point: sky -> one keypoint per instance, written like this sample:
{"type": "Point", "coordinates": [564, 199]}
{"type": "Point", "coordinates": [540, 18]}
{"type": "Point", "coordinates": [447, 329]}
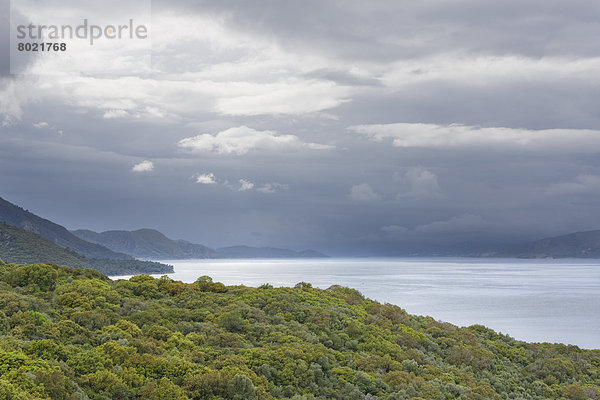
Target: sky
{"type": "Point", "coordinates": [353, 128]}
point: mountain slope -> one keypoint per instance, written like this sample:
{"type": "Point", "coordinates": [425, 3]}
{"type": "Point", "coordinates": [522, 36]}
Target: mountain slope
{"type": "Point", "coordinates": [17, 216]}
{"type": "Point", "coordinates": [574, 245]}
{"type": "Point", "coordinates": [148, 244]}
{"type": "Point", "coordinates": [267, 252]}
{"type": "Point", "coordinates": [72, 335]}
{"type": "Point", "coordinates": [23, 247]}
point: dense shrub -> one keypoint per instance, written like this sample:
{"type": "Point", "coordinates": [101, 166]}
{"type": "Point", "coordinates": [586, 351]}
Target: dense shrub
{"type": "Point", "coordinates": [74, 334]}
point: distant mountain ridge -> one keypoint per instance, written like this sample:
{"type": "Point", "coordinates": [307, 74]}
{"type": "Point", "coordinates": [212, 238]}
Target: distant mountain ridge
{"type": "Point", "coordinates": [267, 252]}
{"type": "Point", "coordinates": [153, 245]}
{"type": "Point", "coordinates": [21, 218]}
{"type": "Point", "coordinates": [20, 246]}
{"type": "Point", "coordinates": [128, 245]}
{"type": "Point", "coordinates": [147, 244]}
{"type": "Point", "coordinates": [574, 245]}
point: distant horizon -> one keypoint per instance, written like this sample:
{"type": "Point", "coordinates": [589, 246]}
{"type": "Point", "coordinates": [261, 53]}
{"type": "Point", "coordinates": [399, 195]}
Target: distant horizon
{"type": "Point", "coordinates": [467, 251]}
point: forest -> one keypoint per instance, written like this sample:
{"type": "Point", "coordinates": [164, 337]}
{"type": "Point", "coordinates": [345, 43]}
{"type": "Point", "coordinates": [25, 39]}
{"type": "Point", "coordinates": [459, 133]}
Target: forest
{"type": "Point", "coordinates": [75, 334]}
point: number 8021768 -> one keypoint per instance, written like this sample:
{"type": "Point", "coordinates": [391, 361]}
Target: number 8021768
{"type": "Point", "coordinates": [43, 46]}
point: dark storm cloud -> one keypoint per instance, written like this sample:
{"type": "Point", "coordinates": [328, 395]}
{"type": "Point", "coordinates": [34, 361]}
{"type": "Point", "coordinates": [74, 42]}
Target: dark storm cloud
{"type": "Point", "coordinates": [388, 30]}
{"type": "Point", "coordinates": [342, 77]}
{"type": "Point", "coordinates": [482, 80]}
{"type": "Point", "coordinates": [535, 105]}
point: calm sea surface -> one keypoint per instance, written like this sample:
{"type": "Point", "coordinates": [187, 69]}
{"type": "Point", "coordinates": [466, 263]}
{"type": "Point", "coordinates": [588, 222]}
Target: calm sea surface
{"type": "Point", "coordinates": [531, 300]}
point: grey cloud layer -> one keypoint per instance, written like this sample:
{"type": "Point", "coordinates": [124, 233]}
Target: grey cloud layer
{"type": "Point", "coordinates": [372, 128]}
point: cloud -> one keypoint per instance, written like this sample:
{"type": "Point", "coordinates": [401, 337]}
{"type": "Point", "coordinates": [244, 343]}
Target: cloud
{"type": "Point", "coordinates": [115, 113]}
{"type": "Point", "coordinates": [205, 179]}
{"type": "Point", "coordinates": [144, 166]}
{"type": "Point", "coordinates": [242, 186]}
{"type": "Point", "coordinates": [582, 185]}
{"type": "Point", "coordinates": [41, 125]}
{"type": "Point", "coordinates": [267, 188]}
{"type": "Point", "coordinates": [241, 140]}
{"type": "Point", "coordinates": [352, 77]}
{"type": "Point", "coordinates": [245, 185]}
{"type": "Point", "coordinates": [440, 136]}
{"type": "Point", "coordinates": [363, 193]}
{"type": "Point", "coordinates": [218, 69]}
{"type": "Point", "coordinates": [297, 97]}
{"type": "Point", "coordinates": [423, 184]}
{"type": "Point", "coordinates": [272, 187]}
{"type": "Point", "coordinates": [462, 223]}
{"type": "Point", "coordinates": [394, 229]}
{"type": "Point", "coordinates": [485, 70]}
{"type": "Point", "coordinates": [304, 72]}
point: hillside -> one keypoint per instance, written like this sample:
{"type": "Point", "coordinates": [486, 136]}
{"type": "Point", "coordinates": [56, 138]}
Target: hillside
{"type": "Point", "coordinates": [23, 247]}
{"type": "Point", "coordinates": [74, 334]}
{"type": "Point", "coordinates": [17, 216]}
{"type": "Point", "coordinates": [147, 244]}
{"type": "Point", "coordinates": [574, 245]}
{"type": "Point", "coordinates": [267, 252]}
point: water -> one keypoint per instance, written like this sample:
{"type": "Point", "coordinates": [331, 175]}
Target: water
{"type": "Point", "coordinates": [531, 300]}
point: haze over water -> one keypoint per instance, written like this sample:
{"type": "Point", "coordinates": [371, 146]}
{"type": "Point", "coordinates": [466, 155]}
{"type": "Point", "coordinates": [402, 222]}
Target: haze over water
{"type": "Point", "coordinates": [531, 300]}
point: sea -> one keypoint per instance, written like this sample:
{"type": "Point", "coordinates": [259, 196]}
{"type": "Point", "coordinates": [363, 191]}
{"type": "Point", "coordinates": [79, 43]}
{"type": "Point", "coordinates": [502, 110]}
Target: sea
{"type": "Point", "coordinates": [555, 301]}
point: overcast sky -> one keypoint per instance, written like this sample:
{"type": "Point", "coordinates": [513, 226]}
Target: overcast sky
{"type": "Point", "coordinates": [344, 126]}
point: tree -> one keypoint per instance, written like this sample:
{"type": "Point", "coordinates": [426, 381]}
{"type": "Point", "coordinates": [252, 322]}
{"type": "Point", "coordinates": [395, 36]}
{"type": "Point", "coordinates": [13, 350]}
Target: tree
{"type": "Point", "coordinates": [11, 392]}
{"type": "Point", "coordinates": [38, 276]}
{"type": "Point", "coordinates": [240, 387]}
{"type": "Point", "coordinates": [164, 390]}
